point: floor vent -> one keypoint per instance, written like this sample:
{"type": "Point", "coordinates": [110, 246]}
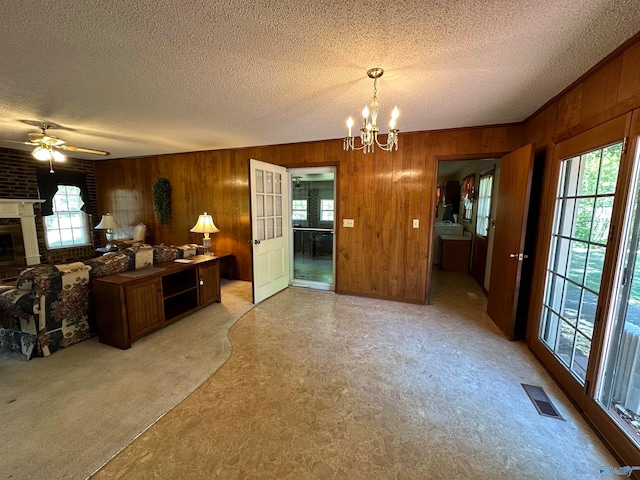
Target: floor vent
{"type": "Point", "coordinates": [541, 401]}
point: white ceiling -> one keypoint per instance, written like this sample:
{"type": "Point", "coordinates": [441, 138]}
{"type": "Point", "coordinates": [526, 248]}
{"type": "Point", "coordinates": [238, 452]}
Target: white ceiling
{"type": "Point", "coordinates": [141, 77]}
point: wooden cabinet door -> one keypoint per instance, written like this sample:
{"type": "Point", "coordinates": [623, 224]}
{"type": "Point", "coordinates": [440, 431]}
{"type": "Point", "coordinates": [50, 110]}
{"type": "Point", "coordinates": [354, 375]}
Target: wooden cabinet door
{"type": "Point", "coordinates": [209, 283]}
{"type": "Point", "coordinates": [144, 307]}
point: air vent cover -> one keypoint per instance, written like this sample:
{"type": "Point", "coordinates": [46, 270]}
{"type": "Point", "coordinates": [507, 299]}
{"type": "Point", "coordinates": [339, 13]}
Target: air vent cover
{"type": "Point", "coordinates": [541, 401]}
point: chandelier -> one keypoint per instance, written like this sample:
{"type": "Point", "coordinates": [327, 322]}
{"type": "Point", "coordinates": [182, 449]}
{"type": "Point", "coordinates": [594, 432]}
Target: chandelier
{"type": "Point", "coordinates": [369, 130]}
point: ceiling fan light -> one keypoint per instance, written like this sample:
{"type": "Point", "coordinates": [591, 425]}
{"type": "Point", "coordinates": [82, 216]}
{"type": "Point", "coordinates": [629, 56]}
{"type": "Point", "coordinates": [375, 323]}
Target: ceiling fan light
{"type": "Point", "coordinates": [57, 156]}
{"type": "Point", "coordinates": [41, 153]}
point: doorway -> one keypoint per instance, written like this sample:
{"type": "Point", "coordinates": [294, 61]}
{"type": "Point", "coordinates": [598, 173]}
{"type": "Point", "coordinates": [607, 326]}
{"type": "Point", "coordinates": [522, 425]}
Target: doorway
{"type": "Point", "coordinates": [312, 227]}
{"type": "Point", "coordinates": [464, 217]}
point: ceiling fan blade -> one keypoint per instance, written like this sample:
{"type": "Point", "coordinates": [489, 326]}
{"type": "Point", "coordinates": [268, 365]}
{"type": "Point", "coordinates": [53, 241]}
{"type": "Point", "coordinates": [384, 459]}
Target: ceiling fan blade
{"type": "Point", "coordinates": [18, 141]}
{"type": "Point", "coordinates": [71, 148]}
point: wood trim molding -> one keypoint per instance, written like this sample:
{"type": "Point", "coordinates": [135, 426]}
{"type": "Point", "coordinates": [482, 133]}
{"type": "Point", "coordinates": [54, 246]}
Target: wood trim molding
{"type": "Point", "coordinates": [587, 74]}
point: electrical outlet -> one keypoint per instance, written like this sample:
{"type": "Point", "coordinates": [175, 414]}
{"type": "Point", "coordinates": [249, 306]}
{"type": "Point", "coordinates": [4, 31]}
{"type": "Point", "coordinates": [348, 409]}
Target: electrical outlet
{"type": "Point", "coordinates": [347, 222]}
{"type": "Point", "coordinates": [416, 223]}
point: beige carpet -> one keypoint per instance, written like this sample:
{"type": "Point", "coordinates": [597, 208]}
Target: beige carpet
{"type": "Point", "coordinates": [64, 416]}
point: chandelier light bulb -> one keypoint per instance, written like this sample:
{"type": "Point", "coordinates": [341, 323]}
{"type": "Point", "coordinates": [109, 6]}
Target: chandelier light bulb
{"type": "Point", "coordinates": [395, 113]}
{"type": "Point", "coordinates": [349, 124]}
{"type": "Point", "coordinates": [392, 124]}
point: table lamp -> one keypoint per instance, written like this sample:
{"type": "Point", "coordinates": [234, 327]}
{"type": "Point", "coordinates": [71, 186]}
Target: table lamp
{"type": "Point", "coordinates": [205, 225]}
{"type": "Point", "coordinates": [108, 223]}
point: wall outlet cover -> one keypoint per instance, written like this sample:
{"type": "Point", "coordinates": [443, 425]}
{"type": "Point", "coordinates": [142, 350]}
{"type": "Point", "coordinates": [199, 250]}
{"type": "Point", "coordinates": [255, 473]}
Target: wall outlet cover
{"type": "Point", "coordinates": [348, 222]}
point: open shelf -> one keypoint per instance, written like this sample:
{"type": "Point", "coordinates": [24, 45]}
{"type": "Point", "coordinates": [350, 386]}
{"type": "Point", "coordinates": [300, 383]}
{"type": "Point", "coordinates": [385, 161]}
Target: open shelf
{"type": "Point", "coordinates": [180, 304]}
{"type": "Point", "coordinates": [178, 282]}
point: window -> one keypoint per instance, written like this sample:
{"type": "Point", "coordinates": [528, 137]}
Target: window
{"type": "Point", "coordinates": [299, 210]}
{"type": "Point", "coordinates": [326, 210]}
{"type": "Point", "coordinates": [484, 204]}
{"type": "Point", "coordinates": [584, 205]}
{"type": "Point", "coordinates": [69, 225]}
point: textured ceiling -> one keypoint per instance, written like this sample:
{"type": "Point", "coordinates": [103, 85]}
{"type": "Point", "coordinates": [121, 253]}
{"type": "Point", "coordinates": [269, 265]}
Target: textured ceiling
{"type": "Point", "coordinates": [141, 77]}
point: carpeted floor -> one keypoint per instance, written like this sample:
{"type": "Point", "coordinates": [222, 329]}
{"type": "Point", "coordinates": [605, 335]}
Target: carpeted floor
{"type": "Point", "coordinates": [325, 386]}
{"type": "Point", "coordinates": [64, 416]}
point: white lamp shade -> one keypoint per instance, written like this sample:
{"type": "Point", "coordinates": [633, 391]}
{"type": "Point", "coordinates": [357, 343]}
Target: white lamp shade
{"type": "Point", "coordinates": [106, 222]}
{"type": "Point", "coordinates": [41, 153]}
{"type": "Point", "coordinates": [205, 225]}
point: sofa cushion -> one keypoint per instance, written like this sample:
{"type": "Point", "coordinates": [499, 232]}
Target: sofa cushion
{"type": "Point", "coordinates": [108, 264]}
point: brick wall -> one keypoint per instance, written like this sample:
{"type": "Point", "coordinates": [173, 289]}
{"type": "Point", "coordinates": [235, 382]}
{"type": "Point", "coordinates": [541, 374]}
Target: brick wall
{"type": "Point", "coordinates": [18, 180]}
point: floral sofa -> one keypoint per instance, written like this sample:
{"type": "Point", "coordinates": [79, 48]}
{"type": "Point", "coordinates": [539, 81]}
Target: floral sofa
{"type": "Point", "coordinates": [50, 306]}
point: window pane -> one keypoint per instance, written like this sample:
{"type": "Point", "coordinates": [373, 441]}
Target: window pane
{"type": "Point", "coordinates": [590, 172]}
{"type": "Point", "coordinates": [571, 302]}
{"type": "Point", "coordinates": [565, 344]}
{"type": "Point", "coordinates": [54, 238]}
{"type": "Point", "coordinates": [278, 227]}
{"type": "Point", "coordinates": [78, 236]}
{"type": "Point", "coordinates": [601, 220]}
{"type": "Point", "coordinates": [270, 228]}
{"type": "Point", "coordinates": [268, 184]}
{"type": "Point", "coordinates": [65, 220]}
{"type": "Point", "coordinates": [609, 171]}
{"type": "Point", "coordinates": [51, 221]}
{"type": "Point", "coordinates": [76, 220]}
{"type": "Point", "coordinates": [581, 356]}
{"type": "Point", "coordinates": [556, 290]}
{"type": "Point", "coordinates": [260, 205]}
{"type": "Point", "coordinates": [584, 215]}
{"type": "Point", "coordinates": [268, 199]}
{"type": "Point", "coordinates": [259, 181]}
{"type": "Point", "coordinates": [577, 261]}
{"type": "Point", "coordinates": [260, 229]}
{"type": "Point", "coordinates": [595, 264]}
{"type": "Point", "coordinates": [278, 183]}
{"type": "Point", "coordinates": [587, 313]}
{"type": "Point", "coordinates": [278, 205]}
{"type": "Point", "coordinates": [60, 203]}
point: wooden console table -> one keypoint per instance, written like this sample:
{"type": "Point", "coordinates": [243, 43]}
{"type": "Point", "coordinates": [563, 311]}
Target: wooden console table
{"type": "Point", "coordinates": [128, 306]}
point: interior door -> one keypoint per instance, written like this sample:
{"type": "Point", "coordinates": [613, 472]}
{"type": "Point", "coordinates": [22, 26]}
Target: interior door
{"type": "Point", "coordinates": [510, 228]}
{"type": "Point", "coordinates": [269, 218]}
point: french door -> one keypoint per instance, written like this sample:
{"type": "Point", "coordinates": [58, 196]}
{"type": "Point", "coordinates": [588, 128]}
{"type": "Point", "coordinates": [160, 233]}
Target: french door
{"type": "Point", "coordinates": [583, 308]}
{"type": "Point", "coordinates": [269, 220]}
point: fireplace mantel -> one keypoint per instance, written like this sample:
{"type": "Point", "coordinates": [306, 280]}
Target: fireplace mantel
{"type": "Point", "coordinates": [22, 208]}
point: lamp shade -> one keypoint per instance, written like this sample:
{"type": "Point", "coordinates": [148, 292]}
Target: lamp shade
{"type": "Point", "coordinates": [107, 222]}
{"type": "Point", "coordinates": [205, 225]}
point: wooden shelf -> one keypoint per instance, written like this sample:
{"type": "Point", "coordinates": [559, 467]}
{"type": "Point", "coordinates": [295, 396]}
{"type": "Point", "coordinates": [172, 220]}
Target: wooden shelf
{"type": "Point", "coordinates": [149, 302]}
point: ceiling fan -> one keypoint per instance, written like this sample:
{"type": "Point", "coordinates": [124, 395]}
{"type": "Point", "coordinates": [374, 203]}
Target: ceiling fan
{"type": "Point", "coordinates": [48, 146]}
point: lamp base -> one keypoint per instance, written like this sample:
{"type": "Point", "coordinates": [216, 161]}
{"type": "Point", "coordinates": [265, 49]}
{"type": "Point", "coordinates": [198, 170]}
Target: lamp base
{"type": "Point", "coordinates": [206, 242]}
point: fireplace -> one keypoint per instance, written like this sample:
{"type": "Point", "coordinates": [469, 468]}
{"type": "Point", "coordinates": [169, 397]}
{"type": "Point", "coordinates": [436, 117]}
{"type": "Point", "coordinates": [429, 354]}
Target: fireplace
{"type": "Point", "coordinates": [12, 258]}
{"type": "Point", "coordinates": [18, 243]}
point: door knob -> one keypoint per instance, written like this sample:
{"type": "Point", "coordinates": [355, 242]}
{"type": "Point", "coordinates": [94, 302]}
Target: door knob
{"type": "Point", "coordinates": [519, 256]}
{"type": "Point", "coordinates": [256, 242]}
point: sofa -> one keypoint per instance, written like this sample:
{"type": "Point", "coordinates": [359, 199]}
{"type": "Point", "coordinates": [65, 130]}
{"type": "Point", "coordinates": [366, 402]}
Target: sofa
{"type": "Point", "coordinates": [51, 306]}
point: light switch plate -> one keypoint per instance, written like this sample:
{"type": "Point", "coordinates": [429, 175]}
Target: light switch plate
{"type": "Point", "coordinates": [416, 223]}
{"type": "Point", "coordinates": [347, 222]}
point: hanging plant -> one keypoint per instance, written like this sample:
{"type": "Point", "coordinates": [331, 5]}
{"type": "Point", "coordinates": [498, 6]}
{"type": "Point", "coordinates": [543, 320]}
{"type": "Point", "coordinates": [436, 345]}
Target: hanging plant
{"type": "Point", "coordinates": [161, 192]}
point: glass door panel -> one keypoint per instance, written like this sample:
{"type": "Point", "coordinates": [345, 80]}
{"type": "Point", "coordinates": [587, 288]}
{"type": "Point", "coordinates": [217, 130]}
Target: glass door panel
{"type": "Point", "coordinates": [619, 389]}
{"type": "Point", "coordinates": [583, 210]}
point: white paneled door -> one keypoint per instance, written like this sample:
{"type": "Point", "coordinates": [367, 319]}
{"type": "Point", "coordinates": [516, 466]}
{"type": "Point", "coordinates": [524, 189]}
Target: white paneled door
{"type": "Point", "coordinates": [269, 219]}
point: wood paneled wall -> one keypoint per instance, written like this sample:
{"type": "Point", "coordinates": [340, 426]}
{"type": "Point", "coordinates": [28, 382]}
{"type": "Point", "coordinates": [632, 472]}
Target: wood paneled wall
{"type": "Point", "coordinates": [608, 91]}
{"type": "Point", "coordinates": [383, 256]}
